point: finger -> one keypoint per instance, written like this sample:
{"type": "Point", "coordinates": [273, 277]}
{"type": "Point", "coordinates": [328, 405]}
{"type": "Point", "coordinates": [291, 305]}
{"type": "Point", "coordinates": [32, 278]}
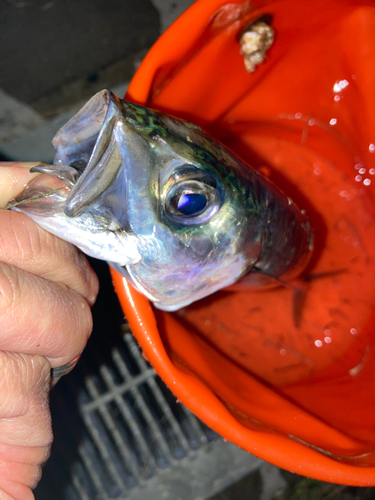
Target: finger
{"type": "Point", "coordinates": [5, 496]}
{"type": "Point", "coordinates": [24, 454]}
{"type": "Point", "coordinates": [14, 176]}
{"type": "Point", "coordinates": [25, 423]}
{"type": "Point", "coordinates": [27, 246]}
{"type": "Point", "coordinates": [38, 316]}
{"type": "Point", "coordinates": [19, 491]}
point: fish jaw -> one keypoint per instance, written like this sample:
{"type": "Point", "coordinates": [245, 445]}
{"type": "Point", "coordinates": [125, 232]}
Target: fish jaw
{"type": "Point", "coordinates": [84, 231]}
{"type": "Point", "coordinates": [91, 239]}
{"type": "Point", "coordinates": [171, 289]}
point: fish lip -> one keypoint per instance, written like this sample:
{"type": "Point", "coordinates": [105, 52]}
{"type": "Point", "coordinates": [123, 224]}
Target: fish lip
{"type": "Point", "coordinates": [79, 137]}
{"type": "Point", "coordinates": [105, 159]}
{"type": "Point", "coordinates": [80, 129]}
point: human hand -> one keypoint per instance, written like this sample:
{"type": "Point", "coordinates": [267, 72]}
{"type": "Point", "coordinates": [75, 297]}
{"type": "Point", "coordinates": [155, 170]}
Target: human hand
{"type": "Point", "coordinates": [46, 289]}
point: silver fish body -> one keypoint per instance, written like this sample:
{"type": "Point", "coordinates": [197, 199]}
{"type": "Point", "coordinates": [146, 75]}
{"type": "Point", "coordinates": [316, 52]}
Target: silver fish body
{"type": "Point", "coordinates": [172, 209]}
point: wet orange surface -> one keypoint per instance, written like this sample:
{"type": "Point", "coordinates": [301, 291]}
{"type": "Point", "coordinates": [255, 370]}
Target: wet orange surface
{"type": "Point", "coordinates": [305, 117]}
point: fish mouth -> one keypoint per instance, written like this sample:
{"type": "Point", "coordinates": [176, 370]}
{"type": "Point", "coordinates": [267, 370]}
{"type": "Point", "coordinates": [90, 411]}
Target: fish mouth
{"type": "Point", "coordinates": [83, 197]}
{"type": "Point", "coordinates": [87, 156]}
{"type": "Point", "coordinates": [75, 141]}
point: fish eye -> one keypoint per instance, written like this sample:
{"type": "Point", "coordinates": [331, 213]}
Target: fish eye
{"type": "Point", "coordinates": [192, 203]}
{"type": "Point", "coordinates": [193, 197]}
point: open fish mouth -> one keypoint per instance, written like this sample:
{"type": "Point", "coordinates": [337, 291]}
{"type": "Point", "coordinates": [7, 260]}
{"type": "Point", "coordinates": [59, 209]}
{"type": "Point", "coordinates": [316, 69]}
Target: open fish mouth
{"type": "Point", "coordinates": [83, 205]}
{"type": "Point", "coordinates": [87, 156]}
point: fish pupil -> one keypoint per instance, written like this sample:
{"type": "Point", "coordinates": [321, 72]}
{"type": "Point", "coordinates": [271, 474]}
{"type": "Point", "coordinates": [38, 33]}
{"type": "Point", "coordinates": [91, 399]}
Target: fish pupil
{"type": "Point", "coordinates": [191, 203]}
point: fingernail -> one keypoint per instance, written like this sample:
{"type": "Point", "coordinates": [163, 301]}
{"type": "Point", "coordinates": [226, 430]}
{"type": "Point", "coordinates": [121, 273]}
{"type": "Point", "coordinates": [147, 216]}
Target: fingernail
{"type": "Point", "coordinates": [60, 371]}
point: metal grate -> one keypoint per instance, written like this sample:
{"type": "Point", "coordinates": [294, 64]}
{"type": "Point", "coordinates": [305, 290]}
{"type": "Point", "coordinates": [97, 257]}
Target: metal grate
{"type": "Point", "coordinates": [135, 426]}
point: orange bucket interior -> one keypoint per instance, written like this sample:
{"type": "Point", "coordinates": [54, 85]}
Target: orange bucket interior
{"type": "Point", "coordinates": [302, 398]}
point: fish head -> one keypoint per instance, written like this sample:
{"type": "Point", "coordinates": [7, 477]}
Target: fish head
{"type": "Point", "coordinates": [154, 195]}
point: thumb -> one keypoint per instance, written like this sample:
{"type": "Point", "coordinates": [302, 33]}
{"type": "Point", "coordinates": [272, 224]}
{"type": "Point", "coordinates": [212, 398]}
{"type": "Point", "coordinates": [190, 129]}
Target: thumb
{"type": "Point", "coordinates": [14, 176]}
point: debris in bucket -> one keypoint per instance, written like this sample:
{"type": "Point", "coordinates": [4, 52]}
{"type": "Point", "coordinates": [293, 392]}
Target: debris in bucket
{"type": "Point", "coordinates": [254, 43]}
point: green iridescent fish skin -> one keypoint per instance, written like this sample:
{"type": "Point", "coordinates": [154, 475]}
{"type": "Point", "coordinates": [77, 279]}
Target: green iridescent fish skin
{"type": "Point", "coordinates": [126, 168]}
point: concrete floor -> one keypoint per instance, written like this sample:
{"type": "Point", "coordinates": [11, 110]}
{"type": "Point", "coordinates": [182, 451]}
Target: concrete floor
{"type": "Point", "coordinates": [56, 54]}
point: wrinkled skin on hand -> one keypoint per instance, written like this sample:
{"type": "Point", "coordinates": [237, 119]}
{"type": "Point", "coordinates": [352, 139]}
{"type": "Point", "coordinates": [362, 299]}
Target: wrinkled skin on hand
{"type": "Point", "coordinates": [46, 290]}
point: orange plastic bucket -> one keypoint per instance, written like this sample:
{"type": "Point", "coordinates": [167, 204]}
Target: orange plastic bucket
{"type": "Point", "coordinates": [302, 398]}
